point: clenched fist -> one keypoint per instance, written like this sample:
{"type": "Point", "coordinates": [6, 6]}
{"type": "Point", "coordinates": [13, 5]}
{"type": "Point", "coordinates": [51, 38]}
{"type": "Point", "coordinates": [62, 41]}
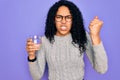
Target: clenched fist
{"type": "Point", "coordinates": [95, 26]}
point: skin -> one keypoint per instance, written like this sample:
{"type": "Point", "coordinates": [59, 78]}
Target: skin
{"type": "Point", "coordinates": [94, 27]}
{"type": "Point", "coordinates": [64, 11]}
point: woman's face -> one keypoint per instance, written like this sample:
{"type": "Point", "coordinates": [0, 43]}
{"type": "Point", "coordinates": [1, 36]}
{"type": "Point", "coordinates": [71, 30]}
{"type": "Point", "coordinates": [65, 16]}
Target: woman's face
{"type": "Point", "coordinates": [63, 21]}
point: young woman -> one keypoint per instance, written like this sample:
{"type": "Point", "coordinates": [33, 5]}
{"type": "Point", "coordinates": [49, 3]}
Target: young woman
{"type": "Point", "coordinates": [64, 44]}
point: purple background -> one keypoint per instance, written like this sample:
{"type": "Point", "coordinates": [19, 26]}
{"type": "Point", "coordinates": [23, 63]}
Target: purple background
{"type": "Point", "coordinates": [19, 19]}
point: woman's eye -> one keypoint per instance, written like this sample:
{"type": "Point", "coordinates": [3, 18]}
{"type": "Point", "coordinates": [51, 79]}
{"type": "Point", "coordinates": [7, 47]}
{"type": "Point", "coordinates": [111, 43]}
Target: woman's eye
{"type": "Point", "coordinates": [58, 17]}
{"type": "Point", "coordinates": [69, 17]}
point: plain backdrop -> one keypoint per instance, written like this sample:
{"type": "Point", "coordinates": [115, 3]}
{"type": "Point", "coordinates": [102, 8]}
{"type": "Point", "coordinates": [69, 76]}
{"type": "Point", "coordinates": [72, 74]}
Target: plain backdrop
{"type": "Point", "coordinates": [20, 19]}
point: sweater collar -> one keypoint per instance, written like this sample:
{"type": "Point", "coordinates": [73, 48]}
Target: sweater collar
{"type": "Point", "coordinates": [66, 37]}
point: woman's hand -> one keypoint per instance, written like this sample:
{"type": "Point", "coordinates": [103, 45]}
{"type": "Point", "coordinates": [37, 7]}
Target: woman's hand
{"type": "Point", "coordinates": [95, 27]}
{"type": "Point", "coordinates": [31, 48]}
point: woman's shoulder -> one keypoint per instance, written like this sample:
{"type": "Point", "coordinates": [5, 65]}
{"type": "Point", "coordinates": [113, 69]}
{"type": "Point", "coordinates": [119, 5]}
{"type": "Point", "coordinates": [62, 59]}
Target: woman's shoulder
{"type": "Point", "coordinates": [44, 39]}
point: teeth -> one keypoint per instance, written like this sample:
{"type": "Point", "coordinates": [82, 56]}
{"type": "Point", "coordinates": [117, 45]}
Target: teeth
{"type": "Point", "coordinates": [63, 28]}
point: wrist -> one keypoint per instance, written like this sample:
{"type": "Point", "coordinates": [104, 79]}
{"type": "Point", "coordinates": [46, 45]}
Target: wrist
{"type": "Point", "coordinates": [94, 33]}
{"type": "Point", "coordinates": [32, 58]}
{"type": "Point", "coordinates": [95, 39]}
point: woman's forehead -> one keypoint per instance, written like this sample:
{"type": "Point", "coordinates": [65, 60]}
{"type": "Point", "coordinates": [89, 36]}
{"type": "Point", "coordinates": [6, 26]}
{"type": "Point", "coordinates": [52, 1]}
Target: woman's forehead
{"type": "Point", "coordinates": [63, 10]}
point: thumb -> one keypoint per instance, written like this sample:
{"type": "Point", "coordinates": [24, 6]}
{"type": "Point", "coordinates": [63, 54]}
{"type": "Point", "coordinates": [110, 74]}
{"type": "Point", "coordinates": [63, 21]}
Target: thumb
{"type": "Point", "coordinates": [96, 17]}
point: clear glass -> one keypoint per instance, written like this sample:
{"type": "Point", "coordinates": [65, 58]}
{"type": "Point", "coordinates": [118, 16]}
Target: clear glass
{"type": "Point", "coordinates": [36, 39]}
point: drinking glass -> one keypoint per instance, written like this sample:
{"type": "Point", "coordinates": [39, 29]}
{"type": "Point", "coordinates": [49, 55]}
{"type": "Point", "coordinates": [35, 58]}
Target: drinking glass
{"type": "Point", "coordinates": [36, 39]}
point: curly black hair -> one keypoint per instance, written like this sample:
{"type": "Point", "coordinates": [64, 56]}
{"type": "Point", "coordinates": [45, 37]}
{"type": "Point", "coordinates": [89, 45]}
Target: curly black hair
{"type": "Point", "coordinates": [77, 30]}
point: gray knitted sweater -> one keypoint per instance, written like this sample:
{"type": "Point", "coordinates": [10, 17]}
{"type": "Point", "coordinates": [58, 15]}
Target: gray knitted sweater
{"type": "Point", "coordinates": [64, 59]}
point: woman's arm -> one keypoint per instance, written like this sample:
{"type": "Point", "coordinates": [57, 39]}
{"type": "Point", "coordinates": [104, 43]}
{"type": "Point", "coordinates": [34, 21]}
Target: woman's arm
{"type": "Point", "coordinates": [37, 67]}
{"type": "Point", "coordinates": [95, 49]}
{"type": "Point", "coordinates": [97, 55]}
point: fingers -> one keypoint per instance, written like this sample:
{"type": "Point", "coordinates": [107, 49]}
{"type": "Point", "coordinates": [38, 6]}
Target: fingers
{"type": "Point", "coordinates": [31, 47]}
{"type": "Point", "coordinates": [96, 21]}
{"type": "Point", "coordinates": [29, 40]}
{"type": "Point", "coordinates": [96, 16]}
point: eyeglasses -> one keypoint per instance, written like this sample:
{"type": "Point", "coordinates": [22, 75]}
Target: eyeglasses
{"type": "Point", "coordinates": [59, 18]}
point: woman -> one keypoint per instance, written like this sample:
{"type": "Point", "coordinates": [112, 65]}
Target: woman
{"type": "Point", "coordinates": [64, 44]}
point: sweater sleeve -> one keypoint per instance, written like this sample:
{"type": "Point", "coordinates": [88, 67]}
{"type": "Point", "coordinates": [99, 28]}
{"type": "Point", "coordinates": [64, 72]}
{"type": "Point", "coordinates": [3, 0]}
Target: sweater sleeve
{"type": "Point", "coordinates": [97, 56]}
{"type": "Point", "coordinates": [37, 68]}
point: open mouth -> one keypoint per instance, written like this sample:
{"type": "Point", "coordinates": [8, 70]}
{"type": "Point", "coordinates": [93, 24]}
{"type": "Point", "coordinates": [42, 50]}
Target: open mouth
{"type": "Point", "coordinates": [63, 28]}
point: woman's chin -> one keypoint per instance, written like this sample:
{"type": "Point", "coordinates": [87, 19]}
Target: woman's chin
{"type": "Point", "coordinates": [62, 33]}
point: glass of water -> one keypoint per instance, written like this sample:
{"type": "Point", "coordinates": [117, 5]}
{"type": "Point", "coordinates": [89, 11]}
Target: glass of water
{"type": "Point", "coordinates": [36, 39]}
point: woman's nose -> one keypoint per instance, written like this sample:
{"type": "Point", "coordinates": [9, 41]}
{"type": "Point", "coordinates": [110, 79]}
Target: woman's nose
{"type": "Point", "coordinates": [63, 20]}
